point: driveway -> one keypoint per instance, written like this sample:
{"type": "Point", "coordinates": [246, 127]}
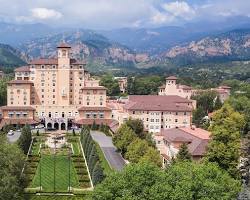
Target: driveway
{"type": "Point", "coordinates": [15, 137]}
{"type": "Point", "coordinates": [114, 158]}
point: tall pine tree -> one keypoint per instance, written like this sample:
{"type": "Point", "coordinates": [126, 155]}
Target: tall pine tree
{"type": "Point", "coordinates": [25, 139]}
{"type": "Point", "coordinates": [183, 154]}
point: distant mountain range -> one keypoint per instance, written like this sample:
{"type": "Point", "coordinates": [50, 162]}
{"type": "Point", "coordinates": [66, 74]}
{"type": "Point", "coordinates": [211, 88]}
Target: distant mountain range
{"type": "Point", "coordinates": [230, 46]}
{"type": "Point", "coordinates": [86, 45]}
{"type": "Point", "coordinates": [10, 56]}
{"type": "Point", "coordinates": [132, 47]}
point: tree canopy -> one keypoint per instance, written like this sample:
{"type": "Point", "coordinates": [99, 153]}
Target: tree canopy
{"type": "Point", "coordinates": [224, 147]}
{"type": "Point", "coordinates": [11, 164]}
{"type": "Point", "coordinates": [111, 84]}
{"type": "Point", "coordinates": [183, 180]}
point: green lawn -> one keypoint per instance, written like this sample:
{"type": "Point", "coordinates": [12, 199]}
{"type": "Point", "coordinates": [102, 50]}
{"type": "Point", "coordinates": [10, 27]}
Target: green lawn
{"type": "Point", "coordinates": [62, 174]}
{"type": "Point", "coordinates": [76, 148]}
{"type": "Point", "coordinates": [35, 197]}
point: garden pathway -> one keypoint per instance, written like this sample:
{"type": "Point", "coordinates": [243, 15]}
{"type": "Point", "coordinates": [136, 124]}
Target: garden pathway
{"type": "Point", "coordinates": [114, 158]}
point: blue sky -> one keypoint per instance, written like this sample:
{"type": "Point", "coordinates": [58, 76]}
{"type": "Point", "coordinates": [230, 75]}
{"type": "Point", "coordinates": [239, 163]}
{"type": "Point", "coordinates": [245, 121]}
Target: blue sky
{"type": "Point", "coordinates": [101, 14]}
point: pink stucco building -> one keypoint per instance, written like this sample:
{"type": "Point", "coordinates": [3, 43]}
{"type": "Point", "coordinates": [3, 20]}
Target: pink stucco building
{"type": "Point", "coordinates": [57, 91]}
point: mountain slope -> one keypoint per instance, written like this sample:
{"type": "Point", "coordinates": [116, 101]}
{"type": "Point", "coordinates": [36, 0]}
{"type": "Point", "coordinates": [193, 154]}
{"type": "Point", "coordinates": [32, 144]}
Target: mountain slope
{"type": "Point", "coordinates": [10, 56]}
{"type": "Point", "coordinates": [86, 44]}
{"type": "Point", "coordinates": [232, 45]}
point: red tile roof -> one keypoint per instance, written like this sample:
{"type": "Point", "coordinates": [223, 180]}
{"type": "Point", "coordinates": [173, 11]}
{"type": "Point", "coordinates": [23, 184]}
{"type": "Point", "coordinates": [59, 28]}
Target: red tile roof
{"type": "Point", "coordinates": [225, 87]}
{"type": "Point", "coordinates": [44, 61]}
{"type": "Point", "coordinates": [197, 138]}
{"type": "Point", "coordinates": [20, 82]}
{"type": "Point", "coordinates": [162, 87]}
{"type": "Point", "coordinates": [171, 78]}
{"type": "Point", "coordinates": [184, 87]}
{"type": "Point", "coordinates": [22, 69]}
{"type": "Point", "coordinates": [94, 88]}
{"type": "Point", "coordinates": [88, 108]}
{"type": "Point", "coordinates": [158, 103]}
{"type": "Point", "coordinates": [97, 121]}
{"type": "Point", "coordinates": [63, 45]}
{"type": "Point", "coordinates": [54, 61]}
{"type": "Point", "coordinates": [14, 108]}
{"type": "Point", "coordinates": [18, 121]}
{"type": "Point", "coordinates": [165, 156]}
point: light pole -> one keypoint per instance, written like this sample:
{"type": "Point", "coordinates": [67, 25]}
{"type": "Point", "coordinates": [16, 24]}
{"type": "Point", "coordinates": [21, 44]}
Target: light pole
{"type": "Point", "coordinates": [69, 156]}
{"type": "Point", "coordinates": [54, 165]}
{"type": "Point", "coordinates": [40, 155]}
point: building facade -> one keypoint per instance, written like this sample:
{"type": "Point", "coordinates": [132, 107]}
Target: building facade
{"type": "Point", "coordinates": [156, 112]}
{"type": "Point", "coordinates": [168, 142]}
{"type": "Point", "coordinates": [172, 88]}
{"type": "Point", "coordinates": [123, 83]}
{"type": "Point", "coordinates": [58, 92]}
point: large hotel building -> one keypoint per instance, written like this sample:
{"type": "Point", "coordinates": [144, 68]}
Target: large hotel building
{"type": "Point", "coordinates": [57, 92]}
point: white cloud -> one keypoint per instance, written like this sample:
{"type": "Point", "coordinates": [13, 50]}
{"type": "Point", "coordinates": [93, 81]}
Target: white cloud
{"type": "Point", "coordinates": [44, 13]}
{"type": "Point", "coordinates": [161, 18]}
{"type": "Point", "coordinates": [180, 9]}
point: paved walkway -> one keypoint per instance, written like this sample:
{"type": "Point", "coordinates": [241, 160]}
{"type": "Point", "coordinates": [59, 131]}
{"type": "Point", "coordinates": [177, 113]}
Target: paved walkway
{"type": "Point", "coordinates": [114, 158]}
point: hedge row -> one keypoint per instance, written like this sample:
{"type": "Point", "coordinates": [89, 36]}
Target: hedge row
{"type": "Point", "coordinates": [92, 158]}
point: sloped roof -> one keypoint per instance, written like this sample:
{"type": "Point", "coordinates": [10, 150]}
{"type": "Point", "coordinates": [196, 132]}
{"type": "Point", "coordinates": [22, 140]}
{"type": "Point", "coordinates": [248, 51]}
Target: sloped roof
{"type": "Point", "coordinates": [54, 61]}
{"type": "Point", "coordinates": [88, 108]}
{"type": "Point", "coordinates": [157, 103]}
{"type": "Point", "coordinates": [197, 138]}
{"type": "Point", "coordinates": [97, 121]}
{"type": "Point", "coordinates": [44, 61]}
{"type": "Point", "coordinates": [15, 108]}
{"type": "Point", "coordinates": [22, 69]}
{"type": "Point", "coordinates": [20, 82]}
{"type": "Point", "coordinates": [63, 45]}
{"type": "Point", "coordinates": [171, 78]}
{"type": "Point", "coordinates": [94, 88]}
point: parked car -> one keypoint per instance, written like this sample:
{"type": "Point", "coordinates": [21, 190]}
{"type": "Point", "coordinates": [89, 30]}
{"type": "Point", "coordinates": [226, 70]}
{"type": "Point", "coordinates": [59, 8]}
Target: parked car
{"type": "Point", "coordinates": [11, 132]}
{"type": "Point", "coordinates": [51, 129]}
{"type": "Point", "coordinates": [40, 126]}
{"type": "Point", "coordinates": [74, 127]}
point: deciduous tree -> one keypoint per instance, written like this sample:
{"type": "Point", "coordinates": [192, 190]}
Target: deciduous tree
{"type": "Point", "coordinates": [11, 164]}
{"type": "Point", "coordinates": [224, 147]}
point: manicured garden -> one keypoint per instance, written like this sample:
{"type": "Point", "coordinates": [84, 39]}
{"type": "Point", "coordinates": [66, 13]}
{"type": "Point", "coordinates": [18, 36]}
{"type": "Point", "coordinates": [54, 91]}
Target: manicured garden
{"type": "Point", "coordinates": [61, 165]}
{"type": "Point", "coordinates": [55, 172]}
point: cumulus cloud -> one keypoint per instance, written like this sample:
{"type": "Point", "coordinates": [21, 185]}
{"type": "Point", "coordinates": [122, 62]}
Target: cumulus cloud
{"type": "Point", "coordinates": [180, 9]}
{"type": "Point", "coordinates": [44, 13]}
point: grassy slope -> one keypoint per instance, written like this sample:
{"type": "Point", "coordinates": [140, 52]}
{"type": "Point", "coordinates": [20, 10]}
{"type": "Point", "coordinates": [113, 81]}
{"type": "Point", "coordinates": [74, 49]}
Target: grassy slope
{"type": "Point", "coordinates": [104, 162]}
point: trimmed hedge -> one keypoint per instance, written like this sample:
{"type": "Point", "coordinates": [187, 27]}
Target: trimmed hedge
{"type": "Point", "coordinates": [92, 158]}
